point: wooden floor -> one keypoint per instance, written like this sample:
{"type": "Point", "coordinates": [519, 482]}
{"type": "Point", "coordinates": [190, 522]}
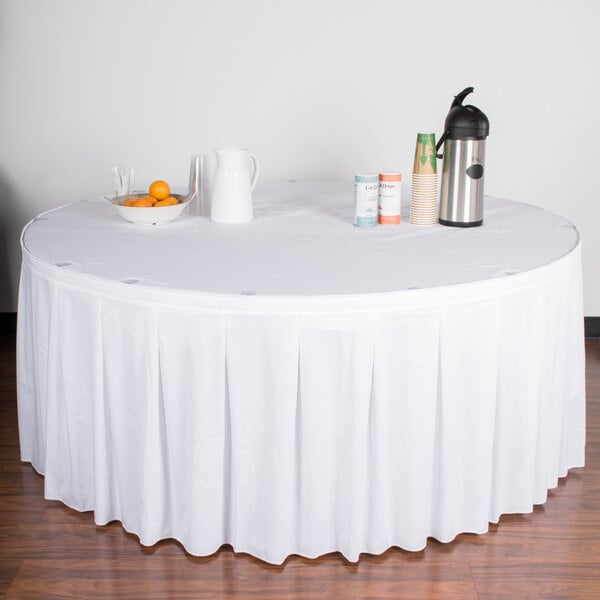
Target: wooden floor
{"type": "Point", "coordinates": [50, 551]}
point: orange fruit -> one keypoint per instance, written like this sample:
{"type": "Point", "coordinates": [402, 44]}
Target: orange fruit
{"type": "Point", "coordinates": [129, 202]}
{"type": "Point", "coordinates": [148, 198]}
{"type": "Point", "coordinates": [159, 189]}
{"type": "Point", "coordinates": [170, 201]}
{"type": "Point", "coordinates": [143, 203]}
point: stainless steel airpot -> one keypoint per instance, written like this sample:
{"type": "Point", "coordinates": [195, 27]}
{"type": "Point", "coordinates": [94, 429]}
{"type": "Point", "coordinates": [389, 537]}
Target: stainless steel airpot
{"type": "Point", "coordinates": [461, 195]}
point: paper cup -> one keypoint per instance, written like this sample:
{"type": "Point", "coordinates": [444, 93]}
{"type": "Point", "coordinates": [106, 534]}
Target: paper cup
{"type": "Point", "coordinates": [425, 158]}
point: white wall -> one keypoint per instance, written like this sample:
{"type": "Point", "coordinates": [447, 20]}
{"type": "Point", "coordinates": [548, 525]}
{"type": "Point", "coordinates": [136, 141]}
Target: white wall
{"type": "Point", "coordinates": [317, 89]}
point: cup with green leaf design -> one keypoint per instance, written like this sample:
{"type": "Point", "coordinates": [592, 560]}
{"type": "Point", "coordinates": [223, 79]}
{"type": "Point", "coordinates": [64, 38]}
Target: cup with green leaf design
{"type": "Point", "coordinates": [425, 158]}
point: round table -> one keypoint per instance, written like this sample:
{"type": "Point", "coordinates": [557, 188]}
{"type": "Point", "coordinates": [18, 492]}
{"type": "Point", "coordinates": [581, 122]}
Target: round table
{"type": "Point", "coordinates": [298, 385]}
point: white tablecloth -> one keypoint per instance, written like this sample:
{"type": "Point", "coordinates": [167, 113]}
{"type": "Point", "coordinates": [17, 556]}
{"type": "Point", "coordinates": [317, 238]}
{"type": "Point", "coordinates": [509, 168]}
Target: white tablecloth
{"type": "Point", "coordinates": [297, 385]}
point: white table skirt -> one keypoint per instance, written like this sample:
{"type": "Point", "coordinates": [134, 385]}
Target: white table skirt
{"type": "Point", "coordinates": [307, 423]}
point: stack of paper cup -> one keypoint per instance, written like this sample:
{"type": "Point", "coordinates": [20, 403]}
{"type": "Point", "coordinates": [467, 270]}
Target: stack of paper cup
{"type": "Point", "coordinates": [423, 200]}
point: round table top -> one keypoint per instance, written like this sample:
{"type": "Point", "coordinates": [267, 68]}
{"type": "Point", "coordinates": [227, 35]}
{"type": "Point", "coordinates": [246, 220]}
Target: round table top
{"type": "Point", "coordinates": [302, 242]}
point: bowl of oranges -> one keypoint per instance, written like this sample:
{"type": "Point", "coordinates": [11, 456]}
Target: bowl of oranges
{"type": "Point", "coordinates": [154, 207]}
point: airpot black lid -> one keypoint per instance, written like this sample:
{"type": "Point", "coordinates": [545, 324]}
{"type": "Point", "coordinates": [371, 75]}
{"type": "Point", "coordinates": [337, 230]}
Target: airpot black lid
{"type": "Point", "coordinates": [465, 122]}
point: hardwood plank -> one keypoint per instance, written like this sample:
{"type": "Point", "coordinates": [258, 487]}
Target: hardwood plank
{"type": "Point", "coordinates": [234, 576]}
{"type": "Point", "coordinates": [8, 570]}
{"type": "Point", "coordinates": [22, 509]}
{"type": "Point", "coordinates": [532, 581]}
{"type": "Point", "coordinates": [19, 478]}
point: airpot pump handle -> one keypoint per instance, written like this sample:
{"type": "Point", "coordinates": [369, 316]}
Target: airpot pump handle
{"type": "Point", "coordinates": [458, 99]}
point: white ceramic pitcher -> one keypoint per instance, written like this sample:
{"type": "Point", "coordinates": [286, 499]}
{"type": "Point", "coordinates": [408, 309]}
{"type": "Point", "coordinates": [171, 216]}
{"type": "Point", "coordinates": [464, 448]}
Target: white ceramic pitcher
{"type": "Point", "coordinates": [233, 184]}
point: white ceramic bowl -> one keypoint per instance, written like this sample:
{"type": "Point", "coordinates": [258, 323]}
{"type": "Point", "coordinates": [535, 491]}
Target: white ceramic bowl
{"type": "Point", "coordinates": [151, 215]}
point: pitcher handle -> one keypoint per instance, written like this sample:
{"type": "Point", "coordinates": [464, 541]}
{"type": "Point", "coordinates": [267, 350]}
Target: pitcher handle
{"type": "Point", "coordinates": [255, 172]}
